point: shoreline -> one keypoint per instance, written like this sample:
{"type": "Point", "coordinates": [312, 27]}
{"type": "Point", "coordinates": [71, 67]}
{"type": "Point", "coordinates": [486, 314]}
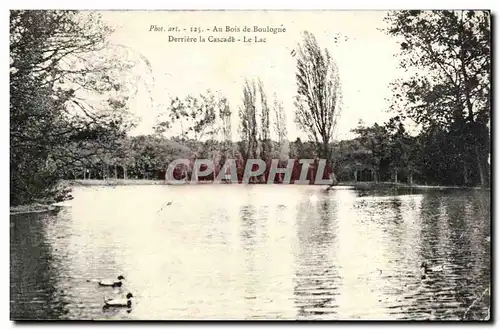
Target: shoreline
{"type": "Point", "coordinates": [396, 185]}
{"type": "Point", "coordinates": [37, 207]}
{"type": "Point", "coordinates": [365, 185]}
{"type": "Point", "coordinates": [32, 208]}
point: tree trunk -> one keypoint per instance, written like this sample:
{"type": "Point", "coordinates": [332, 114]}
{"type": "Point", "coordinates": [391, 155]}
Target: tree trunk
{"type": "Point", "coordinates": [326, 151]}
{"type": "Point", "coordinates": [355, 175]}
{"type": "Point", "coordinates": [465, 174]}
{"type": "Point", "coordinates": [333, 177]}
{"type": "Point", "coordinates": [116, 172]}
{"type": "Point", "coordinates": [396, 176]}
{"type": "Point", "coordinates": [84, 173]}
{"type": "Point", "coordinates": [125, 172]}
{"type": "Point", "coordinates": [410, 178]}
{"type": "Point", "coordinates": [480, 167]}
{"type": "Point", "coordinates": [468, 103]}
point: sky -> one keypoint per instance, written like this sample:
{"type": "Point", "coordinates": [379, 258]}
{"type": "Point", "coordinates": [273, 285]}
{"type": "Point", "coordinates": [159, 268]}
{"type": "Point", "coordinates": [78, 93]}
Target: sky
{"type": "Point", "coordinates": [365, 57]}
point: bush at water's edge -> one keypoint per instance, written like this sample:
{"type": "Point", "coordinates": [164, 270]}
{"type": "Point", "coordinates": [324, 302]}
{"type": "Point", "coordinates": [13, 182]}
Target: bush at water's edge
{"type": "Point", "coordinates": [58, 193]}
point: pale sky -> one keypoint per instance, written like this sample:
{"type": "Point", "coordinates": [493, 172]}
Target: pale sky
{"type": "Point", "coordinates": [366, 60]}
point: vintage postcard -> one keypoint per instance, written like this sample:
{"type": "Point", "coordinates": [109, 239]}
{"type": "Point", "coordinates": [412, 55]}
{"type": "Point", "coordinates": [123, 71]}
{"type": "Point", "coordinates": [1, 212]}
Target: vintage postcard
{"type": "Point", "coordinates": [250, 165]}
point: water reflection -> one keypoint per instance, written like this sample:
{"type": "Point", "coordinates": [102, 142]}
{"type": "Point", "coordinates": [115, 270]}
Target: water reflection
{"type": "Point", "coordinates": [258, 252]}
{"type": "Point", "coordinates": [33, 289]}
{"type": "Point", "coordinates": [316, 276]}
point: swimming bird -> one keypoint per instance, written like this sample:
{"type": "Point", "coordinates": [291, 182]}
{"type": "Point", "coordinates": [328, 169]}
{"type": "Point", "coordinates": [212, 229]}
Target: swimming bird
{"type": "Point", "coordinates": [438, 268]}
{"type": "Point", "coordinates": [313, 198]}
{"type": "Point", "coordinates": [122, 302]}
{"type": "Point", "coordinates": [425, 269]}
{"type": "Point", "coordinates": [113, 283]}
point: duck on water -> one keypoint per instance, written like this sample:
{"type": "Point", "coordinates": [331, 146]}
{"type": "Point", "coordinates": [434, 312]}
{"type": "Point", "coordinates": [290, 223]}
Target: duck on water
{"type": "Point", "coordinates": [110, 282]}
{"type": "Point", "coordinates": [121, 302]}
{"type": "Point", "coordinates": [425, 269]}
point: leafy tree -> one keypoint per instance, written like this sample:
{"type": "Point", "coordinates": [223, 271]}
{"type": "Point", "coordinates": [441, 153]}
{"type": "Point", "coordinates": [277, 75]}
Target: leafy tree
{"type": "Point", "coordinates": [248, 122]}
{"type": "Point", "coordinates": [351, 157]}
{"type": "Point", "coordinates": [280, 129]}
{"type": "Point", "coordinates": [196, 116]}
{"type": "Point", "coordinates": [59, 62]}
{"type": "Point", "coordinates": [319, 94]}
{"type": "Point", "coordinates": [449, 54]}
{"type": "Point", "coordinates": [376, 140]}
{"type": "Point", "coordinates": [227, 150]}
{"type": "Point", "coordinates": [402, 150]}
{"type": "Point", "coordinates": [303, 150]}
{"type": "Point", "coordinates": [265, 133]}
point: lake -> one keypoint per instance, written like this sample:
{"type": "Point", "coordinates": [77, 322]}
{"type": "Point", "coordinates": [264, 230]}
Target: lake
{"type": "Point", "coordinates": [224, 252]}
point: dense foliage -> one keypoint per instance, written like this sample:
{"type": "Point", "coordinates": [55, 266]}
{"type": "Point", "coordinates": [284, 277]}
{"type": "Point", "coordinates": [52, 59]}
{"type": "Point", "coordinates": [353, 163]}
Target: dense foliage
{"type": "Point", "coordinates": [66, 95]}
{"type": "Point", "coordinates": [449, 91]}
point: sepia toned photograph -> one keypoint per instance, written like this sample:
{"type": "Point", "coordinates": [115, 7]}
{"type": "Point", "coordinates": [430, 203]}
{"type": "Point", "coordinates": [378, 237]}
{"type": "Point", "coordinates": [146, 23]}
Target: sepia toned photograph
{"type": "Point", "coordinates": [241, 165]}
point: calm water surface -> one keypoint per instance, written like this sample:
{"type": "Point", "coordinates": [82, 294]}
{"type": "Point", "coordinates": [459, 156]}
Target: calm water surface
{"type": "Point", "coordinates": [254, 252]}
